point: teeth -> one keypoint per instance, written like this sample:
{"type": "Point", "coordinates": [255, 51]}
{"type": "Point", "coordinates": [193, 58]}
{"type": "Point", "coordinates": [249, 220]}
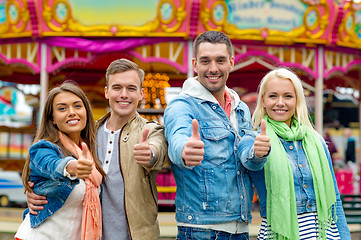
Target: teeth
{"type": "Point", "coordinates": [213, 78]}
{"type": "Point", "coordinates": [123, 103]}
{"type": "Point", "coordinates": [280, 111]}
{"type": "Point", "coordinates": [72, 122]}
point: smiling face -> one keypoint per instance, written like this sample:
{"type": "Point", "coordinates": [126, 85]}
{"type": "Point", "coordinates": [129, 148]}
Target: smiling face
{"type": "Point", "coordinates": [124, 93]}
{"type": "Point", "coordinates": [213, 64]}
{"type": "Point", "coordinates": [69, 114]}
{"type": "Point", "coordinates": [279, 100]}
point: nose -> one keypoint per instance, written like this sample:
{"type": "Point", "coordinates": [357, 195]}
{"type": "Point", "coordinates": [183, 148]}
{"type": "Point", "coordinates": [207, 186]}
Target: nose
{"type": "Point", "coordinates": [213, 68]}
{"type": "Point", "coordinates": [71, 111]}
{"type": "Point", "coordinates": [123, 92]}
{"type": "Point", "coordinates": [280, 101]}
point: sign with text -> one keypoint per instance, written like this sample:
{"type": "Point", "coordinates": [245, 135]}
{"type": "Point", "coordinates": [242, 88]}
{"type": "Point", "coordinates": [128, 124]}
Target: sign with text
{"type": "Point", "coordinates": [283, 15]}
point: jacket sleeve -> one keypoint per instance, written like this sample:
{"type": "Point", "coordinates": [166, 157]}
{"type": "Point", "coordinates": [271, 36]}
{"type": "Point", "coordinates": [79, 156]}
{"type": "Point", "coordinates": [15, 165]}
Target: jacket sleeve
{"type": "Point", "coordinates": [178, 118]}
{"type": "Point", "coordinates": [246, 152]}
{"type": "Point", "coordinates": [46, 161]}
{"type": "Point", "coordinates": [156, 138]}
{"type": "Point", "coordinates": [341, 219]}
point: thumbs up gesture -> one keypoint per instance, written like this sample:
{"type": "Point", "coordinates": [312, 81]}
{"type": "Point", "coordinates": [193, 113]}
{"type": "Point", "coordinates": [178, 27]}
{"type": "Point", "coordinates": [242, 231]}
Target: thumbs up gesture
{"type": "Point", "coordinates": [193, 150]}
{"type": "Point", "coordinates": [142, 153]}
{"type": "Point", "coordinates": [262, 142]}
{"type": "Point", "coordinates": [84, 165]}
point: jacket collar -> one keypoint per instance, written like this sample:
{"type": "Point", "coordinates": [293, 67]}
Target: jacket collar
{"type": "Point", "coordinates": [194, 88]}
{"type": "Point", "coordinates": [107, 115]}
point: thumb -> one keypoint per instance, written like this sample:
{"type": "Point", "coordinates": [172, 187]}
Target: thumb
{"type": "Point", "coordinates": [84, 151]}
{"type": "Point", "coordinates": [144, 135]}
{"type": "Point", "coordinates": [263, 127]}
{"type": "Point", "coordinates": [195, 126]}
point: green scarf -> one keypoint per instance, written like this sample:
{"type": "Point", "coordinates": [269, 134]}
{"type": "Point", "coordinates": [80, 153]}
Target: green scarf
{"type": "Point", "coordinates": [281, 200]}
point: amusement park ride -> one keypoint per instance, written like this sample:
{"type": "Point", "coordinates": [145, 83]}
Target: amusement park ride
{"type": "Point", "coordinates": [48, 41]}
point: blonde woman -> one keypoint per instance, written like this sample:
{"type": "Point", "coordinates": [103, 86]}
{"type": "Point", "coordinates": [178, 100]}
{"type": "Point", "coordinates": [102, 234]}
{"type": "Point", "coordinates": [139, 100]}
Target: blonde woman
{"type": "Point", "coordinates": [297, 188]}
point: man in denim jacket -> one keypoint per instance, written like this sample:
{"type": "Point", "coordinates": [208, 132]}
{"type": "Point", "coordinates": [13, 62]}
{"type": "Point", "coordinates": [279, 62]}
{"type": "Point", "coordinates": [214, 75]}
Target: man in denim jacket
{"type": "Point", "coordinates": [204, 125]}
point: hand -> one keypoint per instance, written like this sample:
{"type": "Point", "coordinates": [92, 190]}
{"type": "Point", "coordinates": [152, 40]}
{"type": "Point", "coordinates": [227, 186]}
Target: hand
{"type": "Point", "coordinates": [262, 142]}
{"type": "Point", "coordinates": [193, 150]}
{"type": "Point", "coordinates": [142, 153]}
{"type": "Point", "coordinates": [35, 201]}
{"type": "Point", "coordinates": [84, 166]}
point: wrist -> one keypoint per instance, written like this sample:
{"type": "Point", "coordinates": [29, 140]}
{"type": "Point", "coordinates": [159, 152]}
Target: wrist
{"type": "Point", "coordinates": [153, 155]}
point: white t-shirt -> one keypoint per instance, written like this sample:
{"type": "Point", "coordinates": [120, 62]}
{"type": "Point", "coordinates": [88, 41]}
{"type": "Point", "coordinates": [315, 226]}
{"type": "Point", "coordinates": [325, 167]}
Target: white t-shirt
{"type": "Point", "coordinates": [64, 224]}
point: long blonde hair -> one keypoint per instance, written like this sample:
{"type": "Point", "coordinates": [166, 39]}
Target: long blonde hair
{"type": "Point", "coordinates": [301, 112]}
{"type": "Point", "coordinates": [48, 131]}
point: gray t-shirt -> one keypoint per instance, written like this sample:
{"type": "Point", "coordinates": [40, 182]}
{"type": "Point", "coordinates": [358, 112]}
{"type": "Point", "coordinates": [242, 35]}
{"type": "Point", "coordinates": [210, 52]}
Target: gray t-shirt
{"type": "Point", "coordinates": [112, 195]}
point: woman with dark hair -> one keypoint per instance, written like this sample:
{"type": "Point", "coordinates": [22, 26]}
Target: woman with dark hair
{"type": "Point", "coordinates": [63, 166]}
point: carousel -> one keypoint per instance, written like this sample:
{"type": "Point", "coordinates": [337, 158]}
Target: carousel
{"type": "Point", "coordinates": [45, 42]}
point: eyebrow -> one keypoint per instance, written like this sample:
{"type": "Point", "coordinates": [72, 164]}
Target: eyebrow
{"type": "Point", "coordinates": [66, 104]}
{"type": "Point", "coordinates": [130, 85]}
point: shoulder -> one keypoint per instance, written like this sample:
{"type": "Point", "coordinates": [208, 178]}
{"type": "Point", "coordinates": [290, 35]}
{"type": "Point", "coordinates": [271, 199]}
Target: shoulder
{"type": "Point", "coordinates": [43, 146]}
{"type": "Point", "coordinates": [140, 122]}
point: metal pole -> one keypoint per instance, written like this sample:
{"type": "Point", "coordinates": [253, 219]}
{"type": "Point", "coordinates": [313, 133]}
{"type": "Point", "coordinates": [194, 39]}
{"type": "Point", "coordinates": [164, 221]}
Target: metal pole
{"type": "Point", "coordinates": [44, 78]}
{"type": "Point", "coordinates": [190, 57]}
{"type": "Point", "coordinates": [319, 92]}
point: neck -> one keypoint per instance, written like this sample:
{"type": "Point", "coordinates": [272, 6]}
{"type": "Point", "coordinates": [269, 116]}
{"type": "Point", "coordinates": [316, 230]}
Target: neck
{"type": "Point", "coordinates": [75, 138]}
{"type": "Point", "coordinates": [220, 97]}
{"type": "Point", "coordinates": [115, 122]}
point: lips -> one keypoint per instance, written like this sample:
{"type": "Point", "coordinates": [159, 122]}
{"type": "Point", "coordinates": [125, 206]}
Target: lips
{"type": "Point", "coordinates": [213, 78]}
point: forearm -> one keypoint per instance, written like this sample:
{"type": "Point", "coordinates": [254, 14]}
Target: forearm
{"type": "Point", "coordinates": [247, 155]}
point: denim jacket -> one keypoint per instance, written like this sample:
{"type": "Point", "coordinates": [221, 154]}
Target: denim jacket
{"type": "Point", "coordinates": [47, 164]}
{"type": "Point", "coordinates": [210, 193]}
{"type": "Point", "coordinates": [304, 190]}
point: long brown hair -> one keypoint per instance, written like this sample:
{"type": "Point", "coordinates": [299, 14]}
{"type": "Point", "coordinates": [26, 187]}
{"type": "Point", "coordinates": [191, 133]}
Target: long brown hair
{"type": "Point", "coordinates": [49, 132]}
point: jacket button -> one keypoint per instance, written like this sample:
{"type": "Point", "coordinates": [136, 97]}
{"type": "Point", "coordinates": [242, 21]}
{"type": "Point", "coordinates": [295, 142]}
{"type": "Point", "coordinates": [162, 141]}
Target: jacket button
{"type": "Point", "coordinates": [242, 216]}
{"type": "Point", "coordinates": [190, 217]}
{"type": "Point", "coordinates": [214, 107]}
{"type": "Point", "coordinates": [291, 147]}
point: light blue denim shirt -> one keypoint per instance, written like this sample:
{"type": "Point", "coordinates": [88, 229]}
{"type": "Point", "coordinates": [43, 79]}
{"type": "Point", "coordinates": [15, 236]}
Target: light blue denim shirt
{"type": "Point", "coordinates": [304, 190]}
{"type": "Point", "coordinates": [210, 193]}
{"type": "Point", "coordinates": [47, 164]}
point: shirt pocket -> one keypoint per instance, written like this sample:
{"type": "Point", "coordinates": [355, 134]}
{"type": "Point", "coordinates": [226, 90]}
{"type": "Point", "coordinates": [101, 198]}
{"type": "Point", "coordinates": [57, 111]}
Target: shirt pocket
{"type": "Point", "coordinates": [218, 144]}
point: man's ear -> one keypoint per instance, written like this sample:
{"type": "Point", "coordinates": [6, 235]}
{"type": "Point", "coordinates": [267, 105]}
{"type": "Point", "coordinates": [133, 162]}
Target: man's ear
{"type": "Point", "coordinates": [194, 64]}
{"type": "Point", "coordinates": [106, 92]}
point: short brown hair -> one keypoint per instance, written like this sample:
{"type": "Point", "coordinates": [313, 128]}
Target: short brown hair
{"type": "Point", "coordinates": [123, 65]}
{"type": "Point", "coordinates": [213, 37]}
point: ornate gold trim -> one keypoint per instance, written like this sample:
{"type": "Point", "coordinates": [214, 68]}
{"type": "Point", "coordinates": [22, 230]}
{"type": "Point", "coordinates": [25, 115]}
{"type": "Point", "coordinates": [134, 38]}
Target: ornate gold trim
{"type": "Point", "coordinates": [267, 34]}
{"type": "Point", "coordinates": [71, 27]}
{"type": "Point", "coordinates": [348, 37]}
{"type": "Point", "coordinates": [53, 11]}
{"type": "Point", "coordinates": [23, 14]}
{"type": "Point", "coordinates": [164, 21]}
{"type": "Point", "coordinates": [214, 21]}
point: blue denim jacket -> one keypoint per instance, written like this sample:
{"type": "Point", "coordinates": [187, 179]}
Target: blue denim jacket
{"type": "Point", "coordinates": [209, 193]}
{"type": "Point", "coordinates": [304, 190]}
{"type": "Point", "coordinates": [47, 164]}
